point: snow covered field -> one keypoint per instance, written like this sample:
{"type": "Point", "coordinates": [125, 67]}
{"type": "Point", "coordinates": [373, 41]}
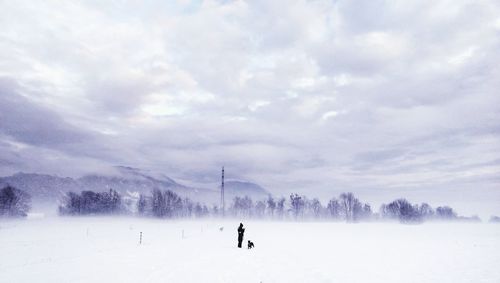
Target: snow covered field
{"type": "Point", "coordinates": [101, 249]}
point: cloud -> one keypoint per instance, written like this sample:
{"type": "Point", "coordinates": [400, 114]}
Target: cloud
{"type": "Point", "coordinates": [309, 96]}
{"type": "Point", "coordinates": [31, 123]}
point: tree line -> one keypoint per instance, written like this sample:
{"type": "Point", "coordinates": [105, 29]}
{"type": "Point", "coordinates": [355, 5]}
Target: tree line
{"type": "Point", "coordinates": [14, 202]}
{"type": "Point", "coordinates": [346, 207]}
{"type": "Point", "coordinates": [404, 211]}
{"type": "Point", "coordinates": [168, 204]}
{"type": "Point", "coordinates": [89, 202]}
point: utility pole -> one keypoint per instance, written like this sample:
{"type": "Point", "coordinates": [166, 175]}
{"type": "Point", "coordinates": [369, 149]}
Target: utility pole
{"type": "Point", "coordinates": [222, 194]}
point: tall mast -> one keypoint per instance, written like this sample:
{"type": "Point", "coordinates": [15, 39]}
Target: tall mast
{"type": "Point", "coordinates": [222, 193]}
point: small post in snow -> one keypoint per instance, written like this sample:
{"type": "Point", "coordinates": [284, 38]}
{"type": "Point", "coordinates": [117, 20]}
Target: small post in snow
{"type": "Point", "coordinates": [140, 238]}
{"type": "Point", "coordinates": [182, 233]}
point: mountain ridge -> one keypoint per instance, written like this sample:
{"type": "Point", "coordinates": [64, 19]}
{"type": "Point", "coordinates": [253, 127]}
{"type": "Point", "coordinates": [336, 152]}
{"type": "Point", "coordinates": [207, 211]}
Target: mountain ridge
{"type": "Point", "coordinates": [125, 180]}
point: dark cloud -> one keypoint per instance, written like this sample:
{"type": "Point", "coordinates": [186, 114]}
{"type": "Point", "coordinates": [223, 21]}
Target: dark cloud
{"type": "Point", "coordinates": [31, 123]}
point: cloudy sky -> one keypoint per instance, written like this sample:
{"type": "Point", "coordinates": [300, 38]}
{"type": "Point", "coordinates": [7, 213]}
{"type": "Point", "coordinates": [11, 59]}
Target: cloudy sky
{"type": "Point", "coordinates": [382, 98]}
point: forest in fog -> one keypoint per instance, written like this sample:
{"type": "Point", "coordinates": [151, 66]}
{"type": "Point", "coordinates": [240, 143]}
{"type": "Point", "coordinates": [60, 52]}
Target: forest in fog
{"type": "Point", "coordinates": [167, 204]}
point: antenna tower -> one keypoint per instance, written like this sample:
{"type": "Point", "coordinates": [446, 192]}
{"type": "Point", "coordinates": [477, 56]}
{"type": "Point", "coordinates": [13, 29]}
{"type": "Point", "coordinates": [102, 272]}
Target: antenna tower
{"type": "Point", "coordinates": [222, 193]}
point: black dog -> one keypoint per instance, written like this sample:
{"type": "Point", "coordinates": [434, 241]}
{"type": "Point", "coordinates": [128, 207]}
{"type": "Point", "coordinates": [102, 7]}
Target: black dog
{"type": "Point", "coordinates": [250, 244]}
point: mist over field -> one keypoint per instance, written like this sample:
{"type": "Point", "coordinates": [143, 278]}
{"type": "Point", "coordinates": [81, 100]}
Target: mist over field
{"type": "Point", "coordinates": [108, 250]}
{"type": "Point", "coordinates": [355, 140]}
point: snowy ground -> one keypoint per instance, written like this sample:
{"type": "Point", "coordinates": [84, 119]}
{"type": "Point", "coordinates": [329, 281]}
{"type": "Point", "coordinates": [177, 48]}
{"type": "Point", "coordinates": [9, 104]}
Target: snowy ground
{"type": "Point", "coordinates": [107, 250]}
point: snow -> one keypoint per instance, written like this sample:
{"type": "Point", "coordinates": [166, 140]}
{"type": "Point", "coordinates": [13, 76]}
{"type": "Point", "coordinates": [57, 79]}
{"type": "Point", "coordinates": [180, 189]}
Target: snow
{"type": "Point", "coordinates": [105, 249]}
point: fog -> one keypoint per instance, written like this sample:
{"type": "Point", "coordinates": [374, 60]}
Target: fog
{"type": "Point", "coordinates": [360, 141]}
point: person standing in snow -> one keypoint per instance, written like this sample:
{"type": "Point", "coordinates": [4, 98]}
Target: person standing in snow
{"type": "Point", "coordinates": [241, 230]}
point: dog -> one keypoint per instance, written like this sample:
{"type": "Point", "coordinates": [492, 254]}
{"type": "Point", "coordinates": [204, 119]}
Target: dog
{"type": "Point", "coordinates": [250, 244]}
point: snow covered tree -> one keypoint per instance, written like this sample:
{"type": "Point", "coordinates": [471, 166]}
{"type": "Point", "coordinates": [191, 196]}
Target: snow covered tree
{"type": "Point", "coordinates": [14, 202]}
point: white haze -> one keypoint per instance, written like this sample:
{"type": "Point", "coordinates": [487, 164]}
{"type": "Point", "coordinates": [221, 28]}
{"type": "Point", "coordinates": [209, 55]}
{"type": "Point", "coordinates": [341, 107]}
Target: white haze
{"type": "Point", "coordinates": [108, 250]}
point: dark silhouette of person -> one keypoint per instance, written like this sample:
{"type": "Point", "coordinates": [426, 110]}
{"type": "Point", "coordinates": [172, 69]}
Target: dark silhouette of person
{"type": "Point", "coordinates": [241, 230]}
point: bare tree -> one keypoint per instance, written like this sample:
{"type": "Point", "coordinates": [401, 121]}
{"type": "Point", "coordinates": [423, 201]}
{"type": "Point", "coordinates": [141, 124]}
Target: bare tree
{"type": "Point", "coordinates": [366, 212]}
{"type": "Point", "coordinates": [158, 203]}
{"type": "Point", "coordinates": [334, 208]}
{"type": "Point", "coordinates": [350, 206]}
{"type": "Point", "coordinates": [247, 206]}
{"type": "Point", "coordinates": [426, 211]}
{"type": "Point", "coordinates": [401, 209]}
{"type": "Point", "coordinates": [316, 208]}
{"type": "Point", "coordinates": [445, 212]}
{"type": "Point", "coordinates": [297, 205]}
{"type": "Point", "coordinates": [90, 202]}
{"type": "Point", "coordinates": [141, 204]}
{"type": "Point", "coordinates": [280, 207]}
{"type": "Point", "coordinates": [260, 209]}
{"type": "Point", "coordinates": [271, 206]}
{"type": "Point", "coordinates": [494, 219]}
